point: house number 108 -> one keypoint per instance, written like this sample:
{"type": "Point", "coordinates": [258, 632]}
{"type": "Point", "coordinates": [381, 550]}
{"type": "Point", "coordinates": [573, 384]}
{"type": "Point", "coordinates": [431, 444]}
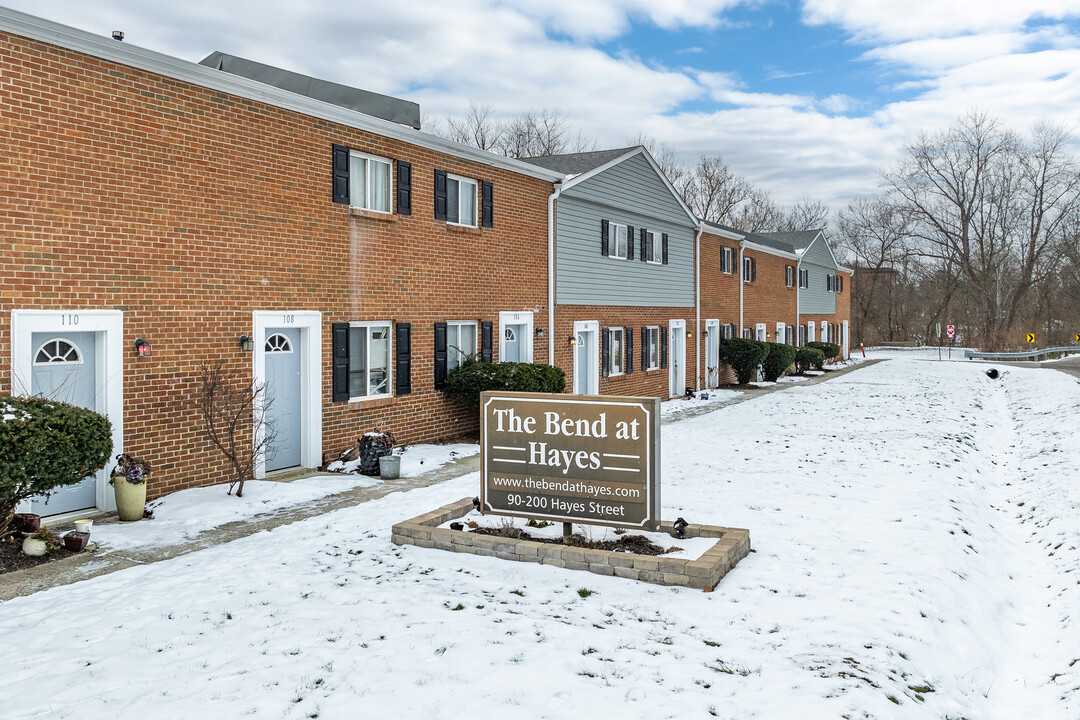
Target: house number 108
{"type": "Point", "coordinates": [288, 319]}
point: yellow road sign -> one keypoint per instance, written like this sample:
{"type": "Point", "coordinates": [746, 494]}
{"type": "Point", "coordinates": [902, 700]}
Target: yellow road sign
{"type": "Point", "coordinates": [1031, 337]}
{"type": "Point", "coordinates": [1077, 337]}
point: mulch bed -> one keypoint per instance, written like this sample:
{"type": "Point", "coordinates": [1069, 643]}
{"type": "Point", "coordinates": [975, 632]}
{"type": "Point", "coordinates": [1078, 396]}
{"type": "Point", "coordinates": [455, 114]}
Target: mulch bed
{"type": "Point", "coordinates": [638, 544]}
{"type": "Point", "coordinates": [12, 557]}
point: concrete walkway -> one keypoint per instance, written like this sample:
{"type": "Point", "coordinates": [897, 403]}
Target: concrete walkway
{"type": "Point", "coordinates": [102, 562]}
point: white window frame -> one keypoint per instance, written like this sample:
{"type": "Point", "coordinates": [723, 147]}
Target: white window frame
{"type": "Point", "coordinates": [368, 326]}
{"type": "Point", "coordinates": [368, 159]}
{"type": "Point", "coordinates": [727, 260]}
{"type": "Point", "coordinates": [747, 334]}
{"type": "Point", "coordinates": [747, 269]}
{"type": "Point", "coordinates": [652, 345]}
{"type": "Point", "coordinates": [616, 360]}
{"type": "Point", "coordinates": [455, 354]}
{"type": "Point", "coordinates": [613, 242]}
{"type": "Point", "coordinates": [460, 180]}
{"type": "Point", "coordinates": [804, 279]}
{"type": "Point", "coordinates": [789, 275]}
{"type": "Point", "coordinates": [656, 257]}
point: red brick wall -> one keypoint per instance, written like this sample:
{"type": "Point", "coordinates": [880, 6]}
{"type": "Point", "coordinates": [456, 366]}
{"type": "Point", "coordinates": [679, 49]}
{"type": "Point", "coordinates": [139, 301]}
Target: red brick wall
{"type": "Point", "coordinates": [188, 209]}
{"type": "Point", "coordinates": [768, 300]}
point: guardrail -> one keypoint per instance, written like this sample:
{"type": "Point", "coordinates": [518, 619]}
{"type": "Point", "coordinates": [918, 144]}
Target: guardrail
{"type": "Point", "coordinates": [1031, 355]}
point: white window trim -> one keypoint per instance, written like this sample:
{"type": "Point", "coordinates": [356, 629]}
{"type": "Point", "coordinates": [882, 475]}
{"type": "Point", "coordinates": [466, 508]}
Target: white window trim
{"type": "Point", "coordinates": [367, 183]}
{"type": "Point", "coordinates": [762, 331]}
{"type": "Point", "coordinates": [655, 241]}
{"type": "Point", "coordinates": [476, 200]}
{"type": "Point", "coordinates": [526, 344]}
{"type": "Point", "coordinates": [611, 351]}
{"type": "Point", "coordinates": [789, 275]}
{"type": "Point", "coordinates": [612, 244]}
{"type": "Point", "coordinates": [450, 348]}
{"type": "Point", "coordinates": [650, 329]}
{"type": "Point", "coordinates": [728, 254]}
{"type": "Point", "coordinates": [747, 269]}
{"type": "Point", "coordinates": [592, 383]}
{"type": "Point", "coordinates": [389, 359]}
{"type": "Point", "coordinates": [108, 329]}
{"type": "Point", "coordinates": [780, 336]}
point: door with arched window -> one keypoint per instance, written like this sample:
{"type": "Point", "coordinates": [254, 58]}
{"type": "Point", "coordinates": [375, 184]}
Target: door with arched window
{"type": "Point", "coordinates": [281, 350]}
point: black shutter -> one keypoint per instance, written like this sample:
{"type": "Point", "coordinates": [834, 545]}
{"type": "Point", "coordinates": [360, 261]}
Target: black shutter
{"type": "Point", "coordinates": [487, 204]}
{"type": "Point", "coordinates": [605, 238]}
{"type": "Point", "coordinates": [486, 349]}
{"type": "Point", "coordinates": [440, 194]}
{"type": "Point", "coordinates": [341, 175]}
{"type": "Point", "coordinates": [403, 369]}
{"type": "Point", "coordinates": [644, 349]}
{"type": "Point", "coordinates": [340, 351]}
{"type": "Point", "coordinates": [629, 242]}
{"type": "Point", "coordinates": [605, 353]}
{"type": "Point", "coordinates": [404, 188]}
{"type": "Point", "coordinates": [440, 355]}
{"type": "Point", "coordinates": [840, 279]}
{"type": "Point", "coordinates": [663, 346]}
{"type": "Point", "coordinates": [663, 249]}
{"type": "Point", "coordinates": [753, 269]}
{"type": "Point", "coordinates": [644, 245]}
{"type": "Point", "coordinates": [628, 339]}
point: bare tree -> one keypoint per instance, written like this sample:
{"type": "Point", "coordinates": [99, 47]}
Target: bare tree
{"type": "Point", "coordinates": [714, 191]}
{"type": "Point", "coordinates": [806, 214]}
{"type": "Point", "coordinates": [233, 411]}
{"type": "Point", "coordinates": [758, 214]}
{"type": "Point", "coordinates": [542, 133]}
{"type": "Point", "coordinates": [479, 127]}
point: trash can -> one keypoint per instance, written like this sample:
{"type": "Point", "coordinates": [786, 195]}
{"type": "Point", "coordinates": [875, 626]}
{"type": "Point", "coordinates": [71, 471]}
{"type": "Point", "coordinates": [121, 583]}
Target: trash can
{"type": "Point", "coordinates": [390, 467]}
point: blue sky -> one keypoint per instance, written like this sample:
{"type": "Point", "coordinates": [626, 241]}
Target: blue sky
{"type": "Point", "coordinates": [807, 98]}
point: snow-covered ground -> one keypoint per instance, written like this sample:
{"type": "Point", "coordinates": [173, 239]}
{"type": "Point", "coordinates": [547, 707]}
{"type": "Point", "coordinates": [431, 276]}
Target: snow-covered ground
{"type": "Point", "coordinates": [915, 527]}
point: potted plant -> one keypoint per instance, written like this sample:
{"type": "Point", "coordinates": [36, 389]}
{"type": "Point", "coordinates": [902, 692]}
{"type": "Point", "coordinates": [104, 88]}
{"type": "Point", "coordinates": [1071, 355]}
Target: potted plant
{"type": "Point", "coordinates": [75, 541]}
{"type": "Point", "coordinates": [40, 543]}
{"type": "Point", "coordinates": [27, 522]}
{"type": "Point", "coordinates": [129, 485]}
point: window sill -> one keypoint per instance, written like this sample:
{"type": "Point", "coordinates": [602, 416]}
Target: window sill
{"type": "Point", "coordinates": [376, 400]}
{"type": "Point", "coordinates": [372, 214]}
{"type": "Point", "coordinates": [463, 229]}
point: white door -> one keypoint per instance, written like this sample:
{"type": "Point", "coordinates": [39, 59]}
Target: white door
{"type": "Point", "coordinates": [510, 350]}
{"type": "Point", "coordinates": [762, 332]}
{"type": "Point", "coordinates": [845, 339]}
{"type": "Point", "coordinates": [810, 327]}
{"type": "Point", "coordinates": [676, 358]}
{"type": "Point", "coordinates": [712, 353]}
{"type": "Point", "coordinates": [282, 353]}
{"type": "Point", "coordinates": [781, 336]}
{"type": "Point", "coordinates": [586, 358]}
{"type": "Point", "coordinates": [65, 369]}
{"type": "Point", "coordinates": [824, 331]}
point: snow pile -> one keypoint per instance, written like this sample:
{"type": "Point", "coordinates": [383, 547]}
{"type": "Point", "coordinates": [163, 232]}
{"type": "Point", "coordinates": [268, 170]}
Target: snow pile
{"type": "Point", "coordinates": [915, 536]}
{"type": "Point", "coordinates": [681, 404]}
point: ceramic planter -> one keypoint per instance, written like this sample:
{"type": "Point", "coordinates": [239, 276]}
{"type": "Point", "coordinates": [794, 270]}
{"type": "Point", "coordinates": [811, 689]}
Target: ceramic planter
{"type": "Point", "coordinates": [34, 547]}
{"type": "Point", "coordinates": [130, 499]}
{"type": "Point", "coordinates": [27, 522]}
{"type": "Point", "coordinates": [75, 541]}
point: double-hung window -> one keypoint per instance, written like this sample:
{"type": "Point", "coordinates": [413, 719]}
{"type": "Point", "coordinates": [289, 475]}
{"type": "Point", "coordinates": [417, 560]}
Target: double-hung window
{"type": "Point", "coordinates": [789, 275]}
{"type": "Point", "coordinates": [749, 269]}
{"type": "Point", "coordinates": [619, 241]}
{"type": "Point", "coordinates": [748, 333]}
{"type": "Point", "coordinates": [652, 348]}
{"type": "Point", "coordinates": [369, 360]}
{"type": "Point", "coordinates": [460, 342]}
{"type": "Point", "coordinates": [369, 182]}
{"type": "Point", "coordinates": [616, 351]}
{"type": "Point", "coordinates": [804, 279]}
{"type": "Point", "coordinates": [727, 260]}
{"type": "Point", "coordinates": [653, 248]}
{"type": "Point", "coordinates": [460, 200]}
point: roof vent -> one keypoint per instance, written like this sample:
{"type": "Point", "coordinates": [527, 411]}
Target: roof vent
{"type": "Point", "coordinates": [118, 35]}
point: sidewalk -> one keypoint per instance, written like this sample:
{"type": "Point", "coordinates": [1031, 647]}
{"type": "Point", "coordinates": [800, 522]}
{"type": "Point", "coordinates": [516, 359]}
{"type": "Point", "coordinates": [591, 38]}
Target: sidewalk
{"type": "Point", "coordinates": [102, 562]}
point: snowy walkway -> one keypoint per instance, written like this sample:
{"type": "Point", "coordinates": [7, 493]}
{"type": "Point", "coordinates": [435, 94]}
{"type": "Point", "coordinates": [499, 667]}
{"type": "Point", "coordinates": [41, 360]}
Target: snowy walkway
{"type": "Point", "coordinates": [915, 527]}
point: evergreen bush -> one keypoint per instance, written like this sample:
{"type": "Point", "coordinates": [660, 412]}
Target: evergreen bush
{"type": "Point", "coordinates": [807, 358]}
{"type": "Point", "coordinates": [778, 360]}
{"type": "Point", "coordinates": [743, 356]}
{"type": "Point", "coordinates": [465, 382]}
{"type": "Point", "coordinates": [830, 350]}
{"type": "Point", "coordinates": [45, 445]}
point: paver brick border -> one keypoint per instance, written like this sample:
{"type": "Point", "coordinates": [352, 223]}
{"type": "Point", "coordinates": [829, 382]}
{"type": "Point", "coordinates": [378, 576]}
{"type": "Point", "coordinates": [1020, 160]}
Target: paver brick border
{"type": "Point", "coordinates": [732, 545]}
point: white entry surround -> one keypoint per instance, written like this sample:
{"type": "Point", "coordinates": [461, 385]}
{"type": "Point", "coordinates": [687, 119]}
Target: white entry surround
{"type": "Point", "coordinates": [309, 322]}
{"type": "Point", "coordinates": [524, 338]}
{"type": "Point", "coordinates": [108, 329]}
{"type": "Point", "coordinates": [845, 340]}
{"type": "Point", "coordinates": [676, 357]}
{"type": "Point", "coordinates": [587, 379]}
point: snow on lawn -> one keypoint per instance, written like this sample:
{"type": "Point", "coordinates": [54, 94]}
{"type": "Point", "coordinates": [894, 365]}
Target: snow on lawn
{"type": "Point", "coordinates": [417, 459]}
{"type": "Point", "coordinates": [679, 404]}
{"type": "Point", "coordinates": [915, 533]}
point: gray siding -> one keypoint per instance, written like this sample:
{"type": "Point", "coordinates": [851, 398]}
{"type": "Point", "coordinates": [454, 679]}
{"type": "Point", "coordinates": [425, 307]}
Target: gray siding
{"type": "Point", "coordinates": [816, 300]}
{"type": "Point", "coordinates": [629, 193]}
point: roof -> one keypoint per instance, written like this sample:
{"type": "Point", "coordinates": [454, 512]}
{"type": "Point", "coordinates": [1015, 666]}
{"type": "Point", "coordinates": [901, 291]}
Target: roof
{"type": "Point", "coordinates": [365, 101]}
{"type": "Point", "coordinates": [578, 163]}
{"type": "Point", "coordinates": [800, 239]}
{"type": "Point", "coordinates": [35, 28]}
{"type": "Point", "coordinates": [761, 240]}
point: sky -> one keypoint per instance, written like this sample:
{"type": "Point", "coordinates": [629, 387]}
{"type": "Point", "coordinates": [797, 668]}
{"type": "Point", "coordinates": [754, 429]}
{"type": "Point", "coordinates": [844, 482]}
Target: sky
{"type": "Point", "coordinates": [810, 100]}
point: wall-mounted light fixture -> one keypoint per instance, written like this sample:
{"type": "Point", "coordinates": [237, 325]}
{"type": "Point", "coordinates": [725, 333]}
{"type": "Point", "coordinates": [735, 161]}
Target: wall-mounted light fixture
{"type": "Point", "coordinates": [539, 332]}
{"type": "Point", "coordinates": [142, 348]}
{"type": "Point", "coordinates": [246, 343]}
{"type": "Point", "coordinates": [573, 341]}
{"type": "Point", "coordinates": [689, 335]}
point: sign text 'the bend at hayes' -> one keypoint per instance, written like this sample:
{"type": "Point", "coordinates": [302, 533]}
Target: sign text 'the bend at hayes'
{"type": "Point", "coordinates": [575, 458]}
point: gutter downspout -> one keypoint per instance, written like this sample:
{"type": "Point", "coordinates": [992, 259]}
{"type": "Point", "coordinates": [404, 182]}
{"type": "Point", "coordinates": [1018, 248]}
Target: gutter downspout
{"type": "Point", "coordinates": [742, 282]}
{"type": "Point", "coordinates": [798, 298]}
{"type": "Point", "coordinates": [551, 272]}
{"type": "Point", "coordinates": [697, 305]}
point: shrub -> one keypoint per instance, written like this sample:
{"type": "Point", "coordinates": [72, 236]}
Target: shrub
{"type": "Point", "coordinates": [807, 358]}
{"type": "Point", "coordinates": [465, 382]}
{"type": "Point", "coordinates": [778, 360]}
{"type": "Point", "coordinates": [45, 445]}
{"type": "Point", "coordinates": [830, 350]}
{"type": "Point", "coordinates": [743, 356]}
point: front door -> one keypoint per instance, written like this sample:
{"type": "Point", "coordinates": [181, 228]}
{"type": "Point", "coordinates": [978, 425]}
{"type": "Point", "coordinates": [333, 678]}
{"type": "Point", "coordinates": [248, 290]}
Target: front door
{"type": "Point", "coordinates": [512, 341]}
{"type": "Point", "coordinates": [586, 358]}
{"type": "Point", "coordinates": [677, 360]}
{"type": "Point", "coordinates": [282, 352]}
{"type": "Point", "coordinates": [65, 368]}
{"type": "Point", "coordinates": [712, 353]}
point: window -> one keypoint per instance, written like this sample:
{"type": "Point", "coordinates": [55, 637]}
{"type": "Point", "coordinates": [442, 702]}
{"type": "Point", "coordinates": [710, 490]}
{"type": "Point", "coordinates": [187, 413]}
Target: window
{"type": "Point", "coordinates": [789, 275]}
{"type": "Point", "coordinates": [727, 330]}
{"type": "Point", "coordinates": [460, 200]}
{"type": "Point", "coordinates": [651, 347]}
{"type": "Point", "coordinates": [829, 283]}
{"type": "Point", "coordinates": [57, 352]}
{"type": "Point", "coordinates": [277, 343]}
{"type": "Point", "coordinates": [654, 249]}
{"type": "Point", "coordinates": [369, 360]}
{"type": "Point", "coordinates": [615, 357]}
{"type": "Point", "coordinates": [460, 342]}
{"type": "Point", "coordinates": [749, 269]}
{"type": "Point", "coordinates": [369, 182]}
{"type": "Point", "coordinates": [804, 279]}
{"type": "Point", "coordinates": [618, 247]}
{"type": "Point", "coordinates": [748, 333]}
{"type": "Point", "coordinates": [727, 260]}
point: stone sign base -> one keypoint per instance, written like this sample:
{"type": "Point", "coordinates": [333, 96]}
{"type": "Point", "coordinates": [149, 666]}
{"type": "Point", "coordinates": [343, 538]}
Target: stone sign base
{"type": "Point", "coordinates": [732, 545]}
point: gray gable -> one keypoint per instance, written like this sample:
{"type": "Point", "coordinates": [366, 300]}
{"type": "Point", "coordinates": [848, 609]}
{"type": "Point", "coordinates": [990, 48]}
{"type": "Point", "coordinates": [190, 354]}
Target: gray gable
{"type": "Point", "coordinates": [578, 163]}
{"type": "Point", "coordinates": [800, 239]}
{"type": "Point", "coordinates": [633, 184]}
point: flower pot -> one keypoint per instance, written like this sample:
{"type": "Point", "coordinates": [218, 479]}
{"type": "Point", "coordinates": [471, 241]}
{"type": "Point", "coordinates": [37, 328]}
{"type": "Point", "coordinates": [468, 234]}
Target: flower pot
{"type": "Point", "coordinates": [84, 526]}
{"type": "Point", "coordinates": [390, 467]}
{"type": "Point", "coordinates": [27, 522]}
{"type": "Point", "coordinates": [34, 547]}
{"type": "Point", "coordinates": [75, 541]}
{"type": "Point", "coordinates": [130, 499]}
